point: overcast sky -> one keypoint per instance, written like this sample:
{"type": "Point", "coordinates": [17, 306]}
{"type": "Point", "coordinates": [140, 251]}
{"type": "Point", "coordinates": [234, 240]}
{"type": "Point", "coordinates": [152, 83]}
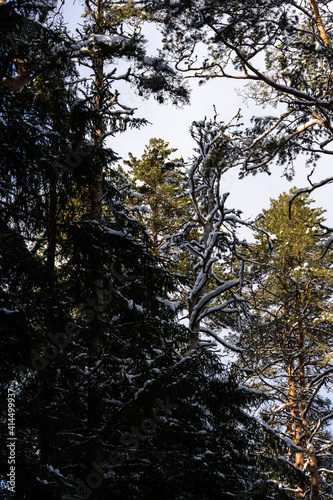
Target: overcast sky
{"type": "Point", "coordinates": [250, 195]}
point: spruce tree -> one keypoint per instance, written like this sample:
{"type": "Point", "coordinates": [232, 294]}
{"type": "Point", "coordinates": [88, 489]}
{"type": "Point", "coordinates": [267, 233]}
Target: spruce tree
{"type": "Point", "coordinates": [35, 132]}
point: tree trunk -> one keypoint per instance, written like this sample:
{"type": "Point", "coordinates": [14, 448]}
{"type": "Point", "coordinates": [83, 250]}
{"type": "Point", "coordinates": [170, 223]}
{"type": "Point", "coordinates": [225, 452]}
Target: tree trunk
{"type": "Point", "coordinates": [95, 400]}
{"type": "Point", "coordinates": [315, 485]}
{"type": "Point", "coordinates": [52, 230]}
{"type": "Point", "coordinates": [295, 426]}
{"type": "Point", "coordinates": [193, 338]}
{"type": "Point", "coordinates": [319, 23]}
{"type": "Point", "coordinates": [195, 325]}
{"type": "Point", "coordinates": [297, 429]}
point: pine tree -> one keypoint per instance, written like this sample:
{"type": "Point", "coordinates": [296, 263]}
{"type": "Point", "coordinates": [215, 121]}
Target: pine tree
{"type": "Point", "coordinates": [282, 50]}
{"type": "Point", "coordinates": [289, 339]}
{"type": "Point", "coordinates": [159, 182]}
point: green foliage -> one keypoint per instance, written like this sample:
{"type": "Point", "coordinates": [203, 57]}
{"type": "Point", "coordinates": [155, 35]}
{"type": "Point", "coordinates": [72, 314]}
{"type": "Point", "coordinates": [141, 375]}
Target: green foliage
{"type": "Point", "coordinates": [288, 337]}
{"type": "Point", "coordinates": [282, 50]}
{"type": "Point", "coordinates": [297, 246]}
{"type": "Point", "coordinates": [73, 395]}
{"type": "Point", "coordinates": [159, 180]}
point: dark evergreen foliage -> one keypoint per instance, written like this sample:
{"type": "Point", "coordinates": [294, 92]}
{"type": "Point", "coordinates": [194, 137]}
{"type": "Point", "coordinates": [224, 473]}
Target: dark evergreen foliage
{"type": "Point", "coordinates": [88, 373]}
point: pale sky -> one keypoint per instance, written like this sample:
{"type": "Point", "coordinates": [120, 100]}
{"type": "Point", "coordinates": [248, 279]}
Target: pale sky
{"type": "Point", "coordinates": [251, 194]}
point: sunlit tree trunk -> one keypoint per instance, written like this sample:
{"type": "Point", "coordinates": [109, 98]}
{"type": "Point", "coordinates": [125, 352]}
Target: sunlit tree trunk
{"type": "Point", "coordinates": [297, 428]}
{"type": "Point", "coordinates": [315, 486]}
{"type": "Point", "coordinates": [319, 23]}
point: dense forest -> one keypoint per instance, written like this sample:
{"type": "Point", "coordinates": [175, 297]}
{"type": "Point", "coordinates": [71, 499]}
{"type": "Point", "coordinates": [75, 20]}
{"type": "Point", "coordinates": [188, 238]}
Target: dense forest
{"type": "Point", "coordinates": [150, 349]}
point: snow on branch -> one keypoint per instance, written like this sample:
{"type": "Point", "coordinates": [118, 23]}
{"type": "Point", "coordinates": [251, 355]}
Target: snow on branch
{"type": "Point", "coordinates": [221, 341]}
{"type": "Point", "coordinates": [308, 190]}
{"type": "Point", "coordinates": [215, 293]}
{"type": "Point", "coordinates": [211, 238]}
{"type": "Point", "coordinates": [288, 442]}
{"type": "Point", "coordinates": [220, 307]}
